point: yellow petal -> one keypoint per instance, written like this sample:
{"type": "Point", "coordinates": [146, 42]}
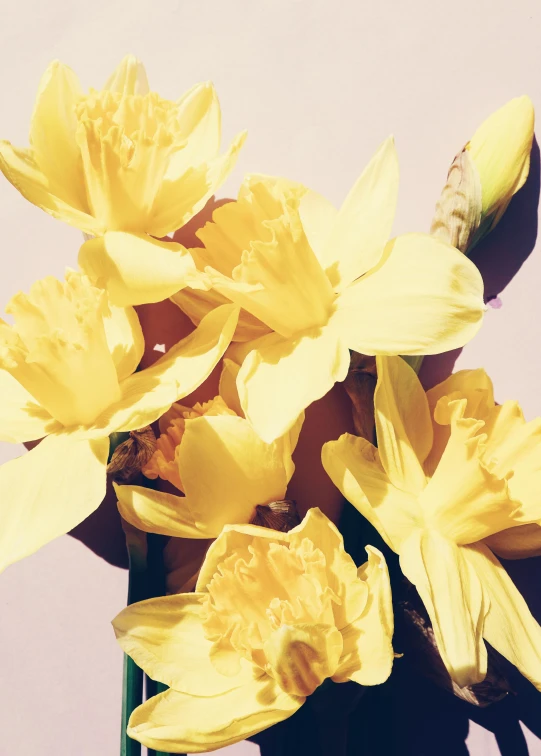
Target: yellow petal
{"type": "Point", "coordinates": [227, 470]}
{"type": "Point", "coordinates": [453, 597]}
{"type": "Point", "coordinates": [353, 465]}
{"type": "Point", "coordinates": [318, 217]}
{"type": "Point", "coordinates": [136, 269]}
{"type": "Point", "coordinates": [179, 200]}
{"type": "Point", "coordinates": [128, 78]}
{"type": "Point", "coordinates": [52, 135]}
{"type": "Point", "coordinates": [424, 297]}
{"type": "Point", "coordinates": [157, 512]}
{"type": "Point", "coordinates": [21, 417]}
{"type": "Point", "coordinates": [281, 377]}
{"type": "Point", "coordinates": [303, 656]}
{"type": "Point", "coordinates": [178, 723]}
{"type": "Point", "coordinates": [48, 491]}
{"type": "Point", "coordinates": [125, 339]}
{"type": "Point", "coordinates": [365, 220]}
{"type": "Point", "coordinates": [509, 625]}
{"type": "Point", "coordinates": [197, 303]}
{"type": "Point", "coordinates": [150, 393]}
{"type": "Point", "coordinates": [199, 119]}
{"type": "Point", "coordinates": [228, 385]}
{"type": "Point", "coordinates": [403, 424]}
{"type": "Point", "coordinates": [464, 500]}
{"type": "Point", "coordinates": [517, 543]}
{"type": "Point", "coordinates": [164, 636]}
{"type": "Point", "coordinates": [21, 170]}
{"type": "Point", "coordinates": [473, 385]}
{"type": "Point", "coordinates": [368, 650]}
{"type": "Point", "coordinates": [514, 450]}
{"type": "Point", "coordinates": [500, 149]}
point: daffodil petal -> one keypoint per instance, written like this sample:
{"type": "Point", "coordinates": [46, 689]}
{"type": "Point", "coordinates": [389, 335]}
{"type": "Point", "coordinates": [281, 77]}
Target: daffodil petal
{"type": "Point", "coordinates": [453, 597]}
{"type": "Point", "coordinates": [473, 504]}
{"type": "Point", "coordinates": [318, 217]}
{"type": "Point", "coordinates": [476, 387]}
{"type": "Point", "coordinates": [509, 625]}
{"type": "Point", "coordinates": [392, 310]}
{"type": "Point", "coordinates": [516, 543]}
{"type": "Point", "coordinates": [52, 135]}
{"type": "Point", "coordinates": [157, 512]}
{"type": "Point", "coordinates": [403, 423]}
{"type": "Point", "coordinates": [227, 470]}
{"type": "Point", "coordinates": [136, 269]}
{"type": "Point", "coordinates": [281, 377]}
{"type": "Point", "coordinates": [353, 465]}
{"type": "Point", "coordinates": [365, 220]}
{"type": "Point", "coordinates": [164, 636]}
{"type": "Point", "coordinates": [148, 394]}
{"type": "Point", "coordinates": [228, 385]}
{"type": "Point", "coordinates": [368, 654]}
{"type": "Point", "coordinates": [21, 417]}
{"type": "Point", "coordinates": [199, 118]}
{"type": "Point", "coordinates": [197, 303]}
{"type": "Point", "coordinates": [21, 170]}
{"type": "Point", "coordinates": [178, 723]}
{"type": "Point", "coordinates": [125, 339]}
{"type": "Point", "coordinates": [128, 78]}
{"type": "Point", "coordinates": [181, 199]}
{"type": "Point", "coordinates": [48, 491]}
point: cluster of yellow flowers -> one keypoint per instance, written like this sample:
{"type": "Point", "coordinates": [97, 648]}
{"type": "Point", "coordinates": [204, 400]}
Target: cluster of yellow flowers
{"type": "Point", "coordinates": [281, 290]}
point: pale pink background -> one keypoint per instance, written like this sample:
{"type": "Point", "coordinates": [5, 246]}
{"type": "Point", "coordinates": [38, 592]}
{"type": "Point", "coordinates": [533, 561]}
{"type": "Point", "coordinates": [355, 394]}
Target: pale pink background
{"type": "Point", "coordinates": [319, 85]}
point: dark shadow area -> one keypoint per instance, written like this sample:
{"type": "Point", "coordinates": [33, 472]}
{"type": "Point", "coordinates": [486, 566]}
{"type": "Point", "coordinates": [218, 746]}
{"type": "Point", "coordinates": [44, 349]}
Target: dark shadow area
{"type": "Point", "coordinates": [499, 257]}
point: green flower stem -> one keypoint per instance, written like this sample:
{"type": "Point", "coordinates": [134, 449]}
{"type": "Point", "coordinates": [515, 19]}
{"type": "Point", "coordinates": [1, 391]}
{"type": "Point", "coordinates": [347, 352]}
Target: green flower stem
{"type": "Point", "coordinates": [157, 587]}
{"type": "Point", "coordinates": [132, 681]}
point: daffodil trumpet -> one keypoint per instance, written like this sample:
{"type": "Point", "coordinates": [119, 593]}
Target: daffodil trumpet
{"type": "Point", "coordinates": [67, 376]}
{"type": "Point", "coordinates": [453, 477]}
{"type": "Point", "coordinates": [273, 616]}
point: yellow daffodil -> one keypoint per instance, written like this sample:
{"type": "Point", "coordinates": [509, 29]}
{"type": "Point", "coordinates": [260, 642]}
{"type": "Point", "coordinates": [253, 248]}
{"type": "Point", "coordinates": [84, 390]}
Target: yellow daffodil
{"type": "Point", "coordinates": [273, 615]}
{"type": "Point", "coordinates": [221, 465]}
{"type": "Point", "coordinates": [434, 498]}
{"type": "Point", "coordinates": [67, 373]}
{"type": "Point", "coordinates": [323, 282]}
{"type": "Point", "coordinates": [122, 158]}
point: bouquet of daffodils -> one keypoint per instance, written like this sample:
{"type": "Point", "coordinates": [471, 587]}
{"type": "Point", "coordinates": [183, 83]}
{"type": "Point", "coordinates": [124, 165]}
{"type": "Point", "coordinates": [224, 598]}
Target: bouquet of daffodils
{"type": "Point", "coordinates": [301, 328]}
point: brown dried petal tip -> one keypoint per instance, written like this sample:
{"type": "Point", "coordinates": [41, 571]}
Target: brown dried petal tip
{"type": "Point", "coordinates": [132, 455]}
{"type": "Point", "coordinates": [422, 652]}
{"type": "Point", "coordinates": [278, 515]}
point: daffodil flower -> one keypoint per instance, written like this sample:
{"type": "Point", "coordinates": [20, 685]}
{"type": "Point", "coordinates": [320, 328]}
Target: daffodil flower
{"type": "Point", "coordinates": [324, 282]}
{"type": "Point", "coordinates": [221, 465]}
{"type": "Point", "coordinates": [273, 616]}
{"type": "Point", "coordinates": [67, 376]}
{"type": "Point", "coordinates": [122, 158]}
{"type": "Point", "coordinates": [435, 497]}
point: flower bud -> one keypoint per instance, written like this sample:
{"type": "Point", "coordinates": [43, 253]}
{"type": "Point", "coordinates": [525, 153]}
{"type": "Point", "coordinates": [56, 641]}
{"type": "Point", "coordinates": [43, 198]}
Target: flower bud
{"type": "Point", "coordinates": [485, 175]}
